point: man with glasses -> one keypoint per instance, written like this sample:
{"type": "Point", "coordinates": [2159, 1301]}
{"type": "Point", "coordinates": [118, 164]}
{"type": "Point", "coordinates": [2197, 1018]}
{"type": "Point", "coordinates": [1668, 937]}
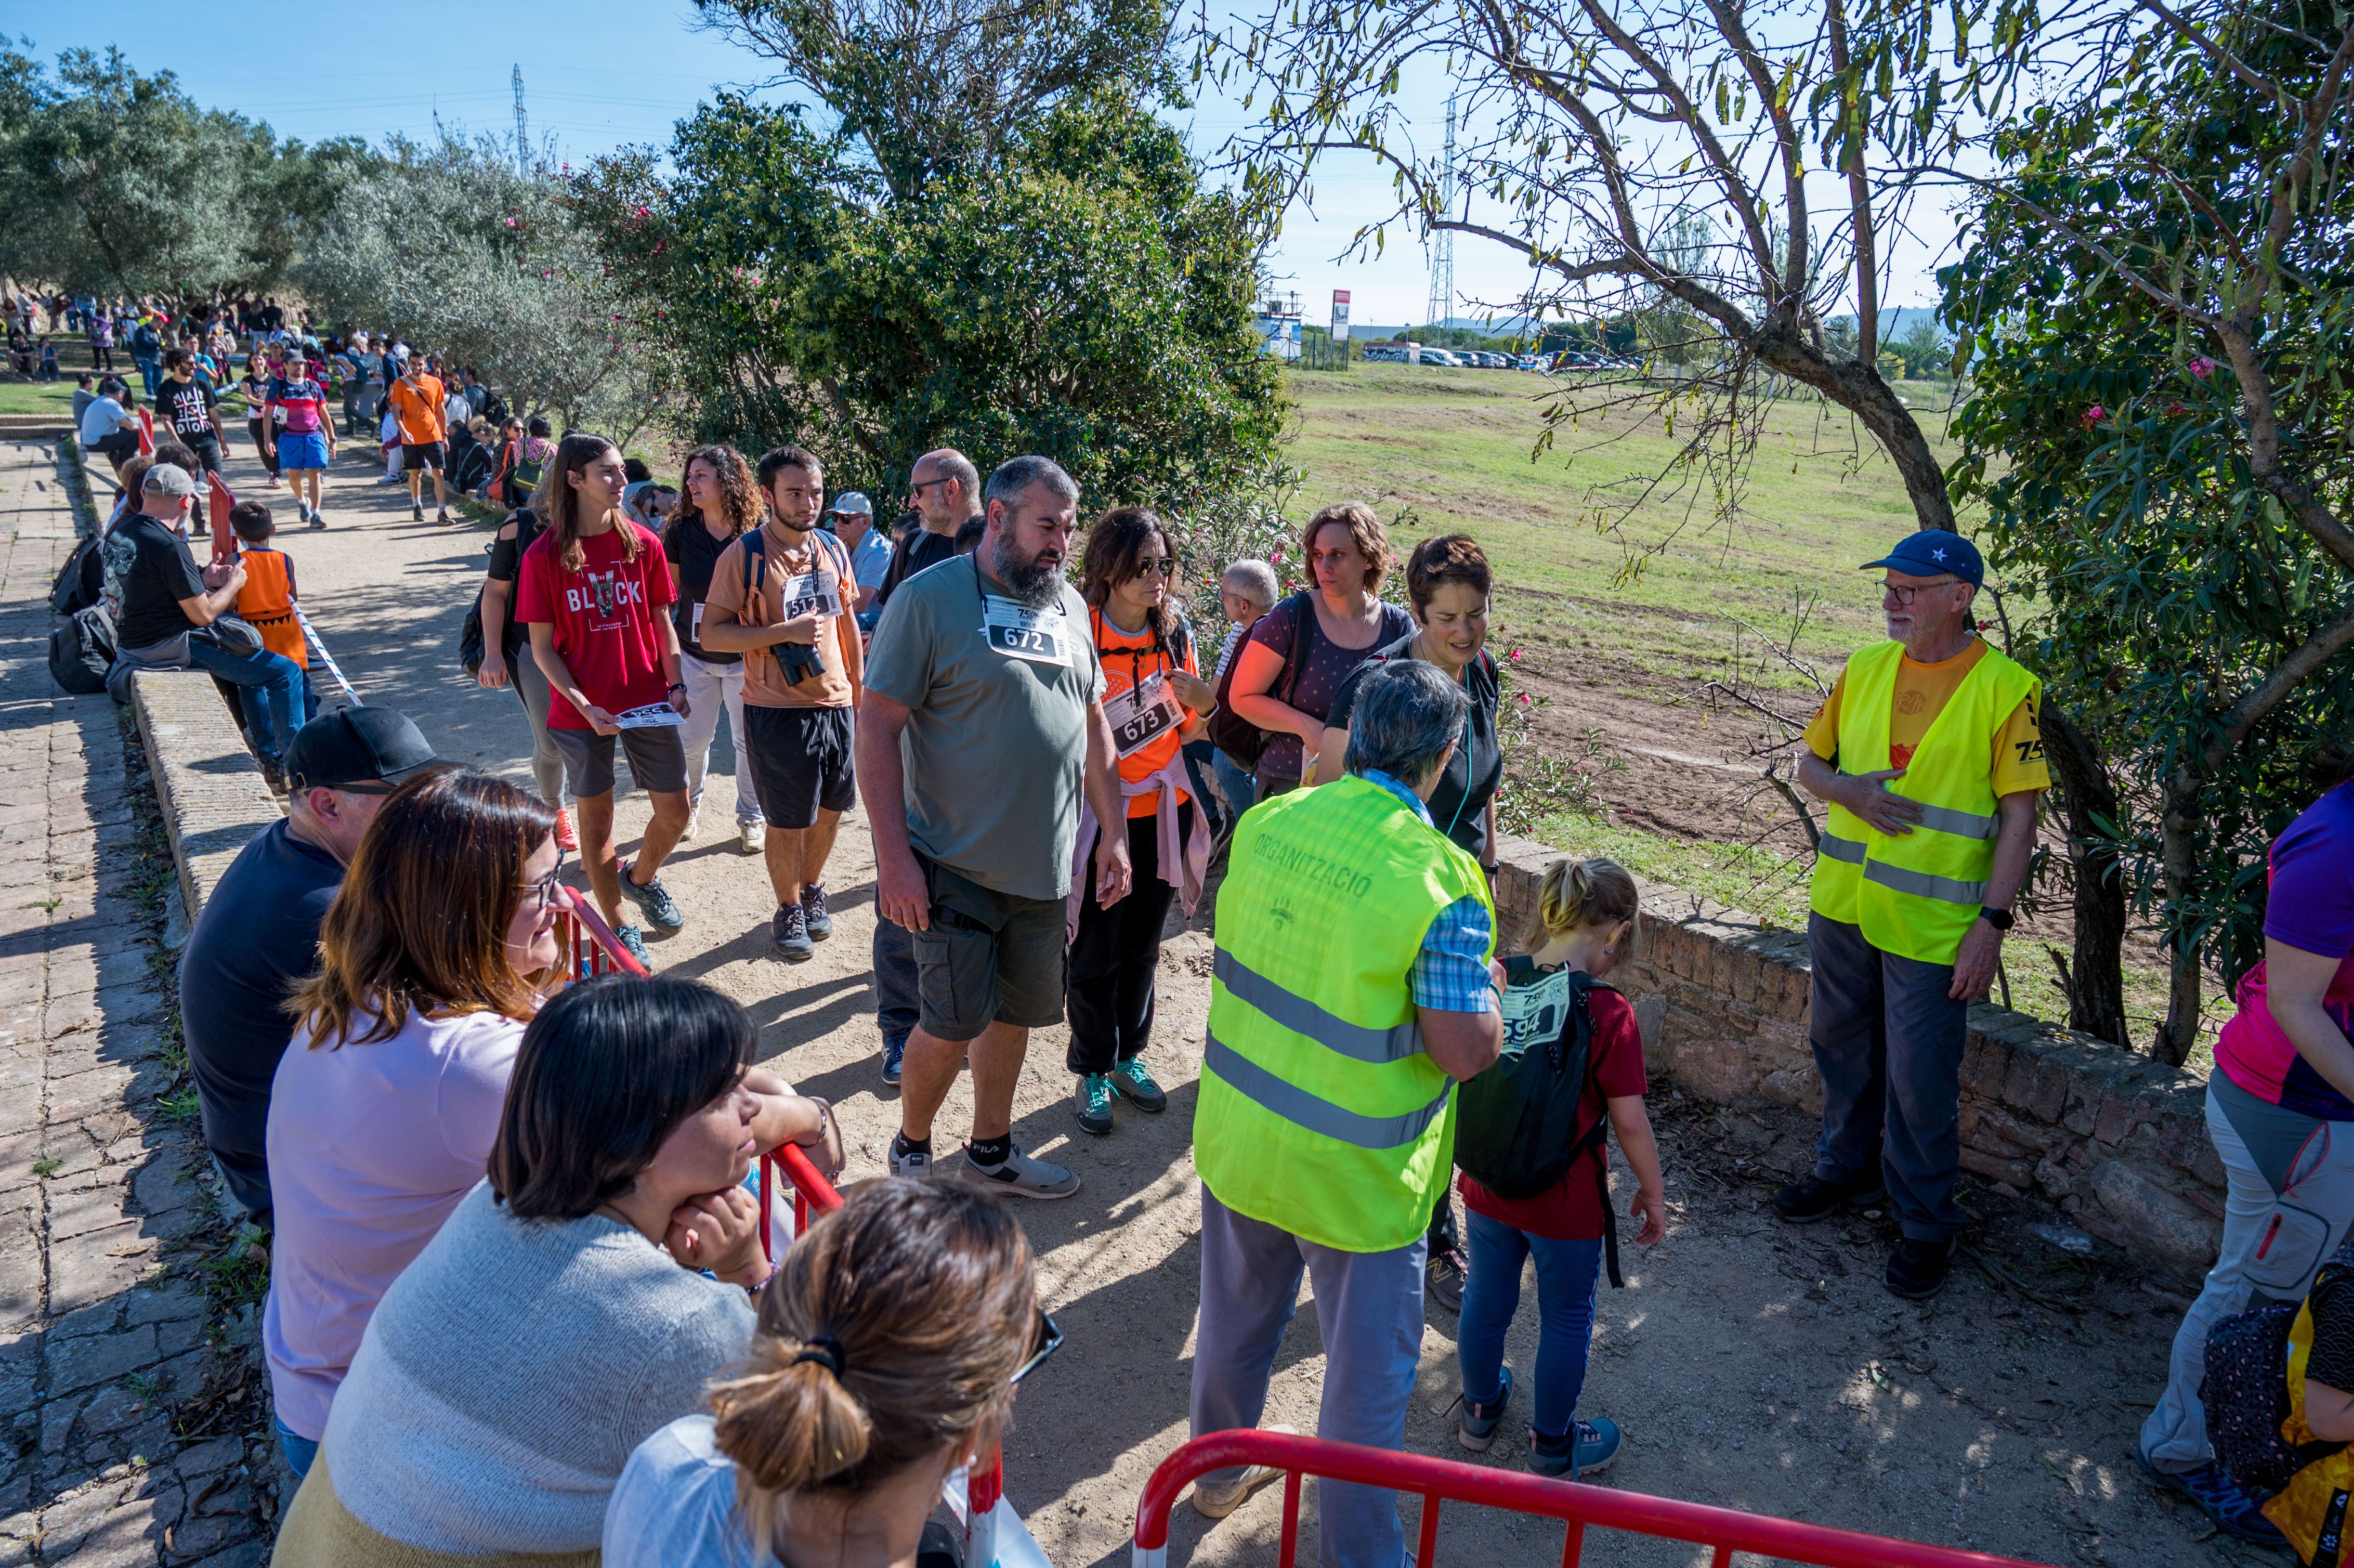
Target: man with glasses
{"type": "Point", "coordinates": [259, 931]}
{"type": "Point", "coordinates": [1929, 757]}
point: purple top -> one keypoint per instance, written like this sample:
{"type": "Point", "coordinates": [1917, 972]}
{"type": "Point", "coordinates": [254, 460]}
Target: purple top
{"type": "Point", "coordinates": [1328, 666]}
{"type": "Point", "coordinates": [2311, 908]}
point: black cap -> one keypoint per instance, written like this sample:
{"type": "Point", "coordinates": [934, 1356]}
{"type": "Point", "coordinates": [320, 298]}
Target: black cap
{"type": "Point", "coordinates": [354, 744]}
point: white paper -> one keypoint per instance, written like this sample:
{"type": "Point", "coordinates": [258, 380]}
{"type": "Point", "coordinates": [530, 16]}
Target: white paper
{"type": "Point", "coordinates": [654, 715]}
{"type": "Point", "coordinates": [1017, 632]}
{"type": "Point", "coordinates": [1143, 712]}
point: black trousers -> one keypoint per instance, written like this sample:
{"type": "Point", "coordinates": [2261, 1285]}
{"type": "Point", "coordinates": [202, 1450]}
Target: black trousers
{"type": "Point", "coordinates": [1117, 954]}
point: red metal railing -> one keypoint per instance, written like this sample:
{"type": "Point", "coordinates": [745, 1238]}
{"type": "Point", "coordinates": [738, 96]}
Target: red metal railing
{"type": "Point", "coordinates": [1726, 1530]}
{"type": "Point", "coordinates": [588, 945]}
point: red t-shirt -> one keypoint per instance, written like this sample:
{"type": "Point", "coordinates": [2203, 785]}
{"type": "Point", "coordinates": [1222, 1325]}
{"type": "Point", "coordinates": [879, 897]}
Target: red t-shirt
{"type": "Point", "coordinates": [1571, 1210]}
{"type": "Point", "coordinates": [608, 618]}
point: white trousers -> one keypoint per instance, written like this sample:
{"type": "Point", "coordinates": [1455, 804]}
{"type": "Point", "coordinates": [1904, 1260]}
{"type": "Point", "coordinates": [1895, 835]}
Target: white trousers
{"type": "Point", "coordinates": [708, 688]}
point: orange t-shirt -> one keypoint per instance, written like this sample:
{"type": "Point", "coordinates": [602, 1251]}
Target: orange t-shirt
{"type": "Point", "coordinates": [419, 411]}
{"type": "Point", "coordinates": [266, 603]}
{"type": "Point", "coordinates": [817, 574]}
{"type": "Point", "coordinates": [1921, 694]}
{"type": "Point", "coordinates": [1127, 658]}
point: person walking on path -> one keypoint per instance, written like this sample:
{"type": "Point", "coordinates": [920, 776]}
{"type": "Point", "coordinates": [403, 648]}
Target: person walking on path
{"type": "Point", "coordinates": [416, 399]}
{"type": "Point", "coordinates": [1155, 700]}
{"type": "Point", "coordinates": [1929, 757]}
{"type": "Point", "coordinates": [851, 517]}
{"type": "Point", "coordinates": [259, 936]}
{"type": "Point", "coordinates": [722, 502]}
{"type": "Point", "coordinates": [1448, 582]}
{"type": "Point", "coordinates": [982, 725]}
{"type": "Point", "coordinates": [1353, 989]}
{"type": "Point", "coordinates": [780, 599]}
{"type": "Point", "coordinates": [1298, 654]}
{"type": "Point", "coordinates": [303, 440]}
{"type": "Point", "coordinates": [146, 355]}
{"type": "Point", "coordinates": [255, 384]}
{"type": "Point", "coordinates": [594, 588]}
{"type": "Point", "coordinates": [2280, 1114]}
{"type": "Point", "coordinates": [190, 409]}
{"type": "Point", "coordinates": [506, 657]}
{"type": "Point", "coordinates": [944, 487]}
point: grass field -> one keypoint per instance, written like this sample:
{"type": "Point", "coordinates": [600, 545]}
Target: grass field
{"type": "Point", "coordinates": [1454, 448]}
{"type": "Point", "coordinates": [35, 396]}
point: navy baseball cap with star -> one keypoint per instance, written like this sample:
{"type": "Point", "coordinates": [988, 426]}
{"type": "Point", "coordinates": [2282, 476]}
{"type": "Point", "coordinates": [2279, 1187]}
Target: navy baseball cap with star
{"type": "Point", "coordinates": [1935, 552]}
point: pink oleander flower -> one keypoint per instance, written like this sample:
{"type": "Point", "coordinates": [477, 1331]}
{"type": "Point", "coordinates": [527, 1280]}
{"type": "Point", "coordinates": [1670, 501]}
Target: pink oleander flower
{"type": "Point", "coordinates": [511, 223]}
{"type": "Point", "coordinates": [2094, 416]}
{"type": "Point", "coordinates": [2201, 367]}
{"type": "Point", "coordinates": [1516, 655]}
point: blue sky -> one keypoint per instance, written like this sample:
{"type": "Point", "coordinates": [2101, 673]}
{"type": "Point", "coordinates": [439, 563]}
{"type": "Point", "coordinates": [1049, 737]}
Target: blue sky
{"type": "Point", "coordinates": [599, 74]}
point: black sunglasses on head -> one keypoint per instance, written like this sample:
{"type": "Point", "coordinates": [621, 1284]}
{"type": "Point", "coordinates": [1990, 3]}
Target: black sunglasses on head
{"type": "Point", "coordinates": [1047, 1340]}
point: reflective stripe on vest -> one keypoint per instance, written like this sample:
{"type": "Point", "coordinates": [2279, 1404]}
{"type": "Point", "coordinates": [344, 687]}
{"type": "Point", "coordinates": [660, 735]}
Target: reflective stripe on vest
{"type": "Point", "coordinates": [1920, 884]}
{"type": "Point", "coordinates": [1297, 1105]}
{"type": "Point", "coordinates": [1302, 1016]}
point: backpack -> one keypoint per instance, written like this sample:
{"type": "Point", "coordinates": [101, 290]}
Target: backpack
{"type": "Point", "coordinates": [1516, 1124]}
{"type": "Point", "coordinates": [527, 469]}
{"type": "Point", "coordinates": [470, 629]}
{"type": "Point", "coordinates": [1236, 736]}
{"type": "Point", "coordinates": [80, 580]}
{"type": "Point", "coordinates": [82, 650]}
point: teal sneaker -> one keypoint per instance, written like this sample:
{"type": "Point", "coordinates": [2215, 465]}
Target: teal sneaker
{"type": "Point", "coordinates": [633, 941]}
{"type": "Point", "coordinates": [653, 901]}
{"type": "Point", "coordinates": [1092, 1101]}
{"type": "Point", "coordinates": [1590, 1446]}
{"type": "Point", "coordinates": [1476, 1430]}
{"type": "Point", "coordinates": [1134, 1084]}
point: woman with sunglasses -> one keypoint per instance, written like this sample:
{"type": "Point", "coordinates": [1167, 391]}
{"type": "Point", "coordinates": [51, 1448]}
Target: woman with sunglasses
{"type": "Point", "coordinates": [1156, 700]}
{"type": "Point", "coordinates": [574, 1302]}
{"type": "Point", "coordinates": [888, 1349]}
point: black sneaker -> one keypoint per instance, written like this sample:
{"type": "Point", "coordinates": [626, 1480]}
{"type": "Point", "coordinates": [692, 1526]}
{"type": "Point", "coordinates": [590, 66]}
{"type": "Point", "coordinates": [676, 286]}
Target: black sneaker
{"type": "Point", "coordinates": [1444, 1281]}
{"type": "Point", "coordinates": [1092, 1102]}
{"type": "Point", "coordinates": [790, 931]}
{"type": "Point", "coordinates": [814, 914]}
{"type": "Point", "coordinates": [1917, 1269]}
{"type": "Point", "coordinates": [1816, 1198]}
{"type": "Point", "coordinates": [660, 909]}
{"type": "Point", "coordinates": [416, 512]}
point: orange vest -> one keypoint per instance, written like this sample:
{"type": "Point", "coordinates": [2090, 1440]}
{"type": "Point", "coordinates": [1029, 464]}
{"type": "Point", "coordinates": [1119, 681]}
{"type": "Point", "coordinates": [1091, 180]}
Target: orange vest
{"type": "Point", "coordinates": [266, 603]}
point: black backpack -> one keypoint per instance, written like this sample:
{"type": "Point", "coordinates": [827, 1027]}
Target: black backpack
{"type": "Point", "coordinates": [470, 627]}
{"type": "Point", "coordinates": [79, 581]}
{"type": "Point", "coordinates": [1516, 1124]}
{"type": "Point", "coordinates": [82, 650]}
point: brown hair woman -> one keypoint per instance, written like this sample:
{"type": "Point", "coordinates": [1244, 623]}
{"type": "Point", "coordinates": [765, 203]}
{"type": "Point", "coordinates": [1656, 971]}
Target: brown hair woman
{"type": "Point", "coordinates": [722, 502]}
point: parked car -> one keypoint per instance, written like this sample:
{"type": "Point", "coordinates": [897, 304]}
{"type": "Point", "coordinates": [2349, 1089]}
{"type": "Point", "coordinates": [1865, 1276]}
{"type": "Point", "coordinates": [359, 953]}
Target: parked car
{"type": "Point", "coordinates": [1528, 362]}
{"type": "Point", "coordinates": [1441, 357]}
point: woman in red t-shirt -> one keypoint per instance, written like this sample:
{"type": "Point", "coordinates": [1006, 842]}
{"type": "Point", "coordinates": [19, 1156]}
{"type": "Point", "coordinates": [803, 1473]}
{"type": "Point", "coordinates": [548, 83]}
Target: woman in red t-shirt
{"type": "Point", "coordinates": [594, 588]}
{"type": "Point", "coordinates": [1588, 907]}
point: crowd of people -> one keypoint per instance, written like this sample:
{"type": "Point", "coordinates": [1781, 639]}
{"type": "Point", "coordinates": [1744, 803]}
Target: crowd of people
{"type": "Point", "coordinates": [469, 1167]}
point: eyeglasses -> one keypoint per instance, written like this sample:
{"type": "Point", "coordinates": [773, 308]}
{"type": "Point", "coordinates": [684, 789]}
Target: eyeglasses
{"type": "Point", "coordinates": [1156, 567]}
{"type": "Point", "coordinates": [546, 885]}
{"type": "Point", "coordinates": [1906, 596]}
{"type": "Point", "coordinates": [1048, 1339]}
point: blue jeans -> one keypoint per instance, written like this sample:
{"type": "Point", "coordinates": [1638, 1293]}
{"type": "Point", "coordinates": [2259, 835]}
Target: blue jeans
{"type": "Point", "coordinates": [1235, 780]}
{"type": "Point", "coordinates": [1491, 1293]}
{"type": "Point", "coordinates": [299, 1451]}
{"type": "Point", "coordinates": [269, 686]}
{"type": "Point", "coordinates": [151, 375]}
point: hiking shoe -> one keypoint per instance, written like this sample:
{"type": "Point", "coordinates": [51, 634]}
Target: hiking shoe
{"type": "Point", "coordinates": [1818, 1198]}
{"type": "Point", "coordinates": [416, 512]}
{"type": "Point", "coordinates": [1021, 1175]}
{"type": "Point", "coordinates": [813, 914]}
{"type": "Point", "coordinates": [633, 942]}
{"type": "Point", "coordinates": [1092, 1101]}
{"type": "Point", "coordinates": [566, 839]}
{"type": "Point", "coordinates": [319, 518]}
{"type": "Point", "coordinates": [894, 1053]}
{"type": "Point", "coordinates": [1133, 1082]}
{"type": "Point", "coordinates": [2218, 1498]}
{"type": "Point", "coordinates": [910, 1164]}
{"type": "Point", "coordinates": [1917, 1269]}
{"type": "Point", "coordinates": [660, 909]}
{"type": "Point", "coordinates": [789, 932]}
{"type": "Point", "coordinates": [1216, 1503]}
{"type": "Point", "coordinates": [443, 515]}
{"type": "Point", "coordinates": [1442, 1281]}
{"type": "Point", "coordinates": [1476, 1430]}
{"type": "Point", "coordinates": [1590, 1446]}
{"type": "Point", "coordinates": [752, 837]}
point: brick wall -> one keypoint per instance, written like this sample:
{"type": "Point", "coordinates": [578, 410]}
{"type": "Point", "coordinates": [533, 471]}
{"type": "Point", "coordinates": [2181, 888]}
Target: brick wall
{"type": "Point", "coordinates": [2117, 1140]}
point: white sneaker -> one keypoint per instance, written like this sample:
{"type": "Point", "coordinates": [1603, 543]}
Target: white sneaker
{"type": "Point", "coordinates": [752, 838]}
{"type": "Point", "coordinates": [693, 819]}
{"type": "Point", "coordinates": [1022, 1175]}
{"type": "Point", "coordinates": [916, 1165]}
{"type": "Point", "coordinates": [1216, 1503]}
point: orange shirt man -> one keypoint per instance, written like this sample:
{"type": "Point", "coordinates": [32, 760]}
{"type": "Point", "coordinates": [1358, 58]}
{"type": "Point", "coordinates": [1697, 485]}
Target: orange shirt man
{"type": "Point", "coordinates": [417, 399]}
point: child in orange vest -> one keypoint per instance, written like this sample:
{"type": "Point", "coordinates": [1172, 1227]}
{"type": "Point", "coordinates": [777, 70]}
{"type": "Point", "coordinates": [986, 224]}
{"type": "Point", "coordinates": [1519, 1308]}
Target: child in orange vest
{"type": "Point", "coordinates": [266, 602]}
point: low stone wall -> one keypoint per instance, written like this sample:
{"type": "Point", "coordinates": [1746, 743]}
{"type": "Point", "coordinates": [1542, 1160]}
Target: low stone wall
{"type": "Point", "coordinates": [2119, 1142]}
{"type": "Point", "coordinates": [209, 786]}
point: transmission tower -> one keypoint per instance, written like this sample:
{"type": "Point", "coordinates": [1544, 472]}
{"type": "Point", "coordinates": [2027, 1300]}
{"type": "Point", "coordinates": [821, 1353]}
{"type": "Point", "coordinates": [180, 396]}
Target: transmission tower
{"type": "Point", "coordinates": [1442, 240]}
{"type": "Point", "coordinates": [523, 128]}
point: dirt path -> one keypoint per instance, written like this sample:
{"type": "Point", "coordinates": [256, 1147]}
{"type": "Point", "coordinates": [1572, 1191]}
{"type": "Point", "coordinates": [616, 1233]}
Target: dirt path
{"type": "Point", "coordinates": [1749, 1365]}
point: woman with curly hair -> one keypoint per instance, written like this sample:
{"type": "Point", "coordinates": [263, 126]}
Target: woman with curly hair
{"type": "Point", "coordinates": [721, 504]}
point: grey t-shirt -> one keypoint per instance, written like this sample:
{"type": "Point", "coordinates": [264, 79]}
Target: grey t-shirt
{"type": "Point", "coordinates": [996, 743]}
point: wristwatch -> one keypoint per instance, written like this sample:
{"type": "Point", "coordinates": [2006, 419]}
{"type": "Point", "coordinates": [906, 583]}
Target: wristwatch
{"type": "Point", "coordinates": [2000, 919]}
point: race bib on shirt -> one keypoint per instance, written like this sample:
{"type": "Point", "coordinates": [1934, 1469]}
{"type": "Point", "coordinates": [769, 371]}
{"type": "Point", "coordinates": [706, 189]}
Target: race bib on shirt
{"type": "Point", "coordinates": [1536, 1009]}
{"type": "Point", "coordinates": [1043, 636]}
{"type": "Point", "coordinates": [1143, 712]}
{"type": "Point", "coordinates": [811, 593]}
{"type": "Point", "coordinates": [654, 715]}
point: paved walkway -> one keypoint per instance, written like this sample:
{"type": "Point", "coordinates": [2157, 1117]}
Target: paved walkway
{"type": "Point", "coordinates": [105, 1324]}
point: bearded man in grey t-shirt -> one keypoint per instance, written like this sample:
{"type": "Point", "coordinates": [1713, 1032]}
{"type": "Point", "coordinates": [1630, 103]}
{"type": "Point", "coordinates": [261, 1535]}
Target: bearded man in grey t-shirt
{"type": "Point", "coordinates": [982, 721]}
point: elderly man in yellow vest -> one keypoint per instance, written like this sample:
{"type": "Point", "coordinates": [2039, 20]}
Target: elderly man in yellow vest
{"type": "Point", "coordinates": [1354, 988]}
{"type": "Point", "coordinates": [1928, 755]}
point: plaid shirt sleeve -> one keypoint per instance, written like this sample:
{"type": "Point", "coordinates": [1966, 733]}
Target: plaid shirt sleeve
{"type": "Point", "coordinates": [1450, 972]}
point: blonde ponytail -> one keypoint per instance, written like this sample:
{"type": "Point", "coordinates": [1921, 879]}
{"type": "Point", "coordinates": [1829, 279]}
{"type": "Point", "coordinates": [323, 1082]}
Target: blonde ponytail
{"type": "Point", "coordinates": [1581, 893]}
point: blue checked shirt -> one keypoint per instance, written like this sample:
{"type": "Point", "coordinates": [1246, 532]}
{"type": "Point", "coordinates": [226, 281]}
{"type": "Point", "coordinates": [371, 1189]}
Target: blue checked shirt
{"type": "Point", "coordinates": [1450, 972]}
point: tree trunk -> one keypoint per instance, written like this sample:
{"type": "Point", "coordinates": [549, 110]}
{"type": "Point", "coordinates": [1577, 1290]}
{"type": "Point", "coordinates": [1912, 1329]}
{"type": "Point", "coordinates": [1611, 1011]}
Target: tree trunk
{"type": "Point", "coordinates": [2096, 997]}
{"type": "Point", "coordinates": [2181, 1029]}
{"type": "Point", "coordinates": [1858, 387]}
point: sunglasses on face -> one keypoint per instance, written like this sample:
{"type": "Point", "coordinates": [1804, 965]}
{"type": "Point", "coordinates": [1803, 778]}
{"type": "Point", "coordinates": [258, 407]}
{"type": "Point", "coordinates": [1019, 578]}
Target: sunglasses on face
{"type": "Point", "coordinates": [1046, 1338]}
{"type": "Point", "coordinates": [1156, 566]}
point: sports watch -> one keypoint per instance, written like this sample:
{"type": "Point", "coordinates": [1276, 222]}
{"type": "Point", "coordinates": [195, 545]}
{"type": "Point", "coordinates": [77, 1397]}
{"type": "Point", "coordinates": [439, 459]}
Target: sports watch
{"type": "Point", "coordinates": [2000, 919]}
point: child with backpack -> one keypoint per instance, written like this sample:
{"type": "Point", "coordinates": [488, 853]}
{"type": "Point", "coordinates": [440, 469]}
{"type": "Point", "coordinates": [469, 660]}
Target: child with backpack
{"type": "Point", "coordinates": [266, 602]}
{"type": "Point", "coordinates": [2279, 1398]}
{"type": "Point", "coordinates": [1529, 1140]}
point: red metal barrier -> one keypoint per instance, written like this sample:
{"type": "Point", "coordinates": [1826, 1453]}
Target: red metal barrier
{"type": "Point", "coordinates": [588, 945]}
{"type": "Point", "coordinates": [1726, 1530]}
